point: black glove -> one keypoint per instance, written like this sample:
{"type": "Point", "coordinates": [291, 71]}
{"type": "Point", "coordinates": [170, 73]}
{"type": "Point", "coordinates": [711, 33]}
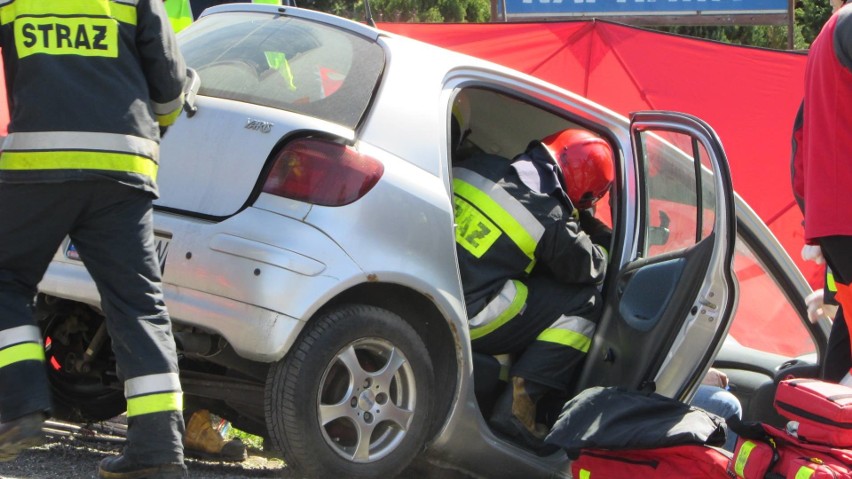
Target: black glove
{"type": "Point", "coordinates": [163, 130]}
{"type": "Point", "coordinates": [600, 233]}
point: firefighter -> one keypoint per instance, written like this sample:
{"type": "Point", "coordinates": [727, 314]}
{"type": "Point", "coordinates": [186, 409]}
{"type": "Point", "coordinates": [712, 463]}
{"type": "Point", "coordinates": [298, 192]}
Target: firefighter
{"type": "Point", "coordinates": [821, 171]}
{"type": "Point", "coordinates": [92, 86]}
{"type": "Point", "coordinates": [531, 256]}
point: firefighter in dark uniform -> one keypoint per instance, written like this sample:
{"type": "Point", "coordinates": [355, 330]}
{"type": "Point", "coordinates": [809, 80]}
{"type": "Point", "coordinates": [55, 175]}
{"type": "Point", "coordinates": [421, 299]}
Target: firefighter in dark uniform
{"type": "Point", "coordinates": [91, 85]}
{"type": "Point", "coordinates": [532, 256]}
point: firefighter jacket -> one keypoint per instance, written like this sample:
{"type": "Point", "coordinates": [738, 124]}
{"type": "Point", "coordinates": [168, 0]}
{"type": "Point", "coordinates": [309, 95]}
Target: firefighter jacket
{"type": "Point", "coordinates": [505, 229]}
{"type": "Point", "coordinates": [826, 142]}
{"type": "Point", "coordinates": [88, 86]}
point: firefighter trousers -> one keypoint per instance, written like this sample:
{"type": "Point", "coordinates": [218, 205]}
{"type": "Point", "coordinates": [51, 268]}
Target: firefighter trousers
{"type": "Point", "coordinates": [837, 360]}
{"type": "Point", "coordinates": [111, 228]}
{"type": "Point", "coordinates": [551, 334]}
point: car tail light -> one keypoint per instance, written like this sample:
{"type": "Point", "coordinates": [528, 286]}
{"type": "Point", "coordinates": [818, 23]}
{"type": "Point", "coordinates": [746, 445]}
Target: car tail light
{"type": "Point", "coordinates": [323, 173]}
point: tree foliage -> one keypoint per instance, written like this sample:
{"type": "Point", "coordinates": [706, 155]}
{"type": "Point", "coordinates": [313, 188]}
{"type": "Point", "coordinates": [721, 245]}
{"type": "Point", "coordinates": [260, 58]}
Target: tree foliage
{"type": "Point", "coordinates": [810, 15]}
{"type": "Point", "coordinates": [809, 18]}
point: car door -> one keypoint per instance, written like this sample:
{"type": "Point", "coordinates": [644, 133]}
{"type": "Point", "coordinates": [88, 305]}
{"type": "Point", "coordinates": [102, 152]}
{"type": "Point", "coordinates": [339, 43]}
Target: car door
{"type": "Point", "coordinates": [669, 292]}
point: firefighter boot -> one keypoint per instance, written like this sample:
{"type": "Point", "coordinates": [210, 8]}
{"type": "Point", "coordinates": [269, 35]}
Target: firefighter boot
{"type": "Point", "coordinates": [119, 467]}
{"type": "Point", "coordinates": [19, 434]}
{"type": "Point", "coordinates": [201, 440]}
{"type": "Point", "coordinates": [514, 414]}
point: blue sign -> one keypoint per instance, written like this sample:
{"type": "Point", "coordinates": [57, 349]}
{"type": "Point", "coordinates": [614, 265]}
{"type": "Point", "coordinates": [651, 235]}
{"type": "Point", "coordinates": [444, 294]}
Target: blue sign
{"type": "Point", "coordinates": [539, 8]}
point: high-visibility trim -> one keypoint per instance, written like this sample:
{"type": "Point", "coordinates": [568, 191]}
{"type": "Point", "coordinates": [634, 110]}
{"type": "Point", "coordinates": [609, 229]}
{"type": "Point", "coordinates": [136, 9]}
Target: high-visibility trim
{"type": "Point", "coordinates": [179, 13]}
{"type": "Point", "coordinates": [742, 457]}
{"type": "Point", "coordinates": [81, 140]}
{"type": "Point", "coordinates": [152, 403]}
{"type": "Point", "coordinates": [121, 10]}
{"type": "Point", "coordinates": [502, 208]}
{"type": "Point", "coordinates": [168, 107]}
{"type": "Point", "coordinates": [151, 383]}
{"type": "Point", "coordinates": [272, 2]}
{"type": "Point", "coordinates": [19, 334]}
{"type": "Point", "coordinates": [804, 472]}
{"type": "Point", "coordinates": [21, 352]}
{"type": "Point", "coordinates": [78, 160]}
{"type": "Point", "coordinates": [572, 331]}
{"type": "Point", "coordinates": [474, 231]}
{"type": "Point", "coordinates": [505, 306]}
{"type": "Point", "coordinates": [52, 35]}
{"type": "Point", "coordinates": [830, 282]}
{"type": "Point", "coordinates": [585, 474]}
{"type": "Point", "coordinates": [167, 113]}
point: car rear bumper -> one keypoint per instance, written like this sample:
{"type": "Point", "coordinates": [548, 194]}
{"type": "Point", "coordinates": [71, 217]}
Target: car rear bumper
{"type": "Point", "coordinates": [254, 333]}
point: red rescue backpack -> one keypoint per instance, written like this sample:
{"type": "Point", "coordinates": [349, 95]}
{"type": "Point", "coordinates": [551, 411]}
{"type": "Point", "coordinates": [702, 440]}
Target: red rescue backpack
{"type": "Point", "coordinates": [691, 461]}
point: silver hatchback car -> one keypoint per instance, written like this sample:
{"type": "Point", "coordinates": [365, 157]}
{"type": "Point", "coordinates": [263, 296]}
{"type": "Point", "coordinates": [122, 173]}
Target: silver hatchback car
{"type": "Point", "coordinates": [306, 236]}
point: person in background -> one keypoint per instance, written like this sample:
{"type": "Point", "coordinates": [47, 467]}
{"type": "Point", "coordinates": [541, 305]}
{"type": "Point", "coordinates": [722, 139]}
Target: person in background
{"type": "Point", "coordinates": [88, 171]}
{"type": "Point", "coordinates": [713, 396]}
{"type": "Point", "coordinates": [531, 256]}
{"type": "Point", "coordinates": [821, 173]}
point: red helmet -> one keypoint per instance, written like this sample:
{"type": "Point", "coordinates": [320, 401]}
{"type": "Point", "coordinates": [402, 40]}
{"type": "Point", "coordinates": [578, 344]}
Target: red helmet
{"type": "Point", "coordinates": [587, 164]}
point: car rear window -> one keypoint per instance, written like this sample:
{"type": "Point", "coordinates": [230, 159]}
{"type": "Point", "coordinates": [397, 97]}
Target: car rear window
{"type": "Point", "coordinates": [284, 62]}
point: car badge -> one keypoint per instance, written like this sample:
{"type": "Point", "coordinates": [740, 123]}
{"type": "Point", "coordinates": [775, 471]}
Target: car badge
{"type": "Point", "coordinates": [259, 125]}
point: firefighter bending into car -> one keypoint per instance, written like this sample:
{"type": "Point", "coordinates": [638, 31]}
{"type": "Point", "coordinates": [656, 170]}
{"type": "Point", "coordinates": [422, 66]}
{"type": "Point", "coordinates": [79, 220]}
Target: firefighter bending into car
{"type": "Point", "coordinates": [532, 256]}
{"type": "Point", "coordinates": [92, 86]}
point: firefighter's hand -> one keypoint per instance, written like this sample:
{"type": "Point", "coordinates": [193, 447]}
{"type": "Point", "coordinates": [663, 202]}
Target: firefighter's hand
{"type": "Point", "coordinates": [817, 308]}
{"type": "Point", "coordinates": [598, 231]}
{"type": "Point", "coordinates": [812, 252]}
{"type": "Point", "coordinates": [163, 130]}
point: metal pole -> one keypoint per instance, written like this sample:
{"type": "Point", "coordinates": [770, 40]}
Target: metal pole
{"type": "Point", "coordinates": [791, 23]}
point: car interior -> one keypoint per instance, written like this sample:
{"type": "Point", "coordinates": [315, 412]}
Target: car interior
{"type": "Point", "coordinates": [769, 338]}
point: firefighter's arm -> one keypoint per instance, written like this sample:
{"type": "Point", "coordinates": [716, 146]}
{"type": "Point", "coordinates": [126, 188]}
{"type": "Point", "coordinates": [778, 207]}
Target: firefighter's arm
{"type": "Point", "coordinates": [161, 61]}
{"type": "Point", "coordinates": [843, 38]}
{"type": "Point", "coordinates": [571, 255]}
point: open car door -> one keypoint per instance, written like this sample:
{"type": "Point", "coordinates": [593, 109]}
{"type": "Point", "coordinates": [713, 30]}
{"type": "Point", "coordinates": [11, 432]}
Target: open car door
{"type": "Point", "coordinates": [670, 293]}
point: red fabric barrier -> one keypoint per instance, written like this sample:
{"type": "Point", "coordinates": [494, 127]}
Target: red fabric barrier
{"type": "Point", "coordinates": [748, 95]}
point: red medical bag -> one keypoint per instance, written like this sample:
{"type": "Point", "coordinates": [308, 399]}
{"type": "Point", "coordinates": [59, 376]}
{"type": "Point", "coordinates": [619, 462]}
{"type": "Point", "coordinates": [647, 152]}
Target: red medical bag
{"type": "Point", "coordinates": [681, 462]}
{"type": "Point", "coordinates": [800, 459]}
{"type": "Point", "coordinates": [823, 410]}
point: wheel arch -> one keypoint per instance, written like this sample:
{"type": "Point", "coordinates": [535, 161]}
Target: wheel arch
{"type": "Point", "coordinates": [419, 311]}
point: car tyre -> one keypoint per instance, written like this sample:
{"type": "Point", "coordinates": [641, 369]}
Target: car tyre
{"type": "Point", "coordinates": [352, 397]}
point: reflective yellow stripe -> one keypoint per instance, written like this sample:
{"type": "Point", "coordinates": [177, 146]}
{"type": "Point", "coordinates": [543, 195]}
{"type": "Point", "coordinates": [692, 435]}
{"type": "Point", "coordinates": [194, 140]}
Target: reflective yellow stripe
{"type": "Point", "coordinates": [474, 231]}
{"type": "Point", "coordinates": [169, 119]}
{"type": "Point", "coordinates": [830, 284]}
{"type": "Point", "coordinates": [70, 8]}
{"type": "Point", "coordinates": [272, 2]}
{"type": "Point", "coordinates": [21, 352]}
{"type": "Point", "coordinates": [742, 457]}
{"type": "Point", "coordinates": [804, 472]}
{"type": "Point", "coordinates": [152, 403]}
{"type": "Point", "coordinates": [571, 339]}
{"type": "Point", "coordinates": [180, 14]}
{"type": "Point", "coordinates": [519, 235]}
{"type": "Point", "coordinates": [85, 160]}
{"type": "Point", "coordinates": [510, 312]}
{"type": "Point", "coordinates": [585, 474]}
